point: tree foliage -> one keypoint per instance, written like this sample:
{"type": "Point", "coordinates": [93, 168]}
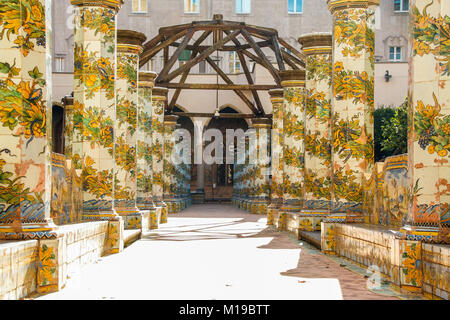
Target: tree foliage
{"type": "Point", "coordinates": [391, 131]}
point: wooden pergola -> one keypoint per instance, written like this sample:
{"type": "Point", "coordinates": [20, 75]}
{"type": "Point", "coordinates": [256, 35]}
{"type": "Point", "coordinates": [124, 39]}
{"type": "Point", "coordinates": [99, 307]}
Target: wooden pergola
{"type": "Point", "coordinates": [224, 34]}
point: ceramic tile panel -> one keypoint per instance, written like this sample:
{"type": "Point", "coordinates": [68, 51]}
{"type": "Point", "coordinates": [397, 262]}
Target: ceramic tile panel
{"type": "Point", "coordinates": [95, 38]}
{"type": "Point", "coordinates": [352, 101]}
{"type": "Point", "coordinates": [169, 175]}
{"type": "Point", "coordinates": [159, 96]}
{"type": "Point", "coordinates": [261, 190]}
{"type": "Point", "coordinates": [126, 125]}
{"type": "Point", "coordinates": [25, 115]}
{"type": "Point", "coordinates": [318, 173]}
{"type": "Point", "coordinates": [294, 108]}
{"type": "Point", "coordinates": [144, 142]}
{"type": "Point", "coordinates": [429, 101]}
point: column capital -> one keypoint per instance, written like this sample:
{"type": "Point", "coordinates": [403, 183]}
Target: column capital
{"type": "Point", "coordinates": [112, 4]}
{"type": "Point", "coordinates": [146, 79]}
{"type": "Point", "coordinates": [292, 78]}
{"type": "Point", "coordinates": [334, 5]}
{"type": "Point", "coordinates": [159, 93]}
{"type": "Point", "coordinates": [276, 95]}
{"type": "Point", "coordinates": [130, 41]}
{"type": "Point", "coordinates": [259, 123]}
{"type": "Point", "coordinates": [170, 120]}
{"type": "Point", "coordinates": [67, 101]}
{"type": "Point", "coordinates": [316, 43]}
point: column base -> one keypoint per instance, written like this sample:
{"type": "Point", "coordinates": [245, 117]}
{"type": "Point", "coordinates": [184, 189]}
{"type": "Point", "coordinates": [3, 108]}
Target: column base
{"type": "Point", "coordinates": [29, 231]}
{"type": "Point", "coordinates": [272, 213]}
{"type": "Point", "coordinates": [417, 233]}
{"type": "Point", "coordinates": [259, 206]}
{"type": "Point", "coordinates": [310, 220]}
{"type": "Point", "coordinates": [344, 218]}
{"type": "Point", "coordinates": [164, 212]}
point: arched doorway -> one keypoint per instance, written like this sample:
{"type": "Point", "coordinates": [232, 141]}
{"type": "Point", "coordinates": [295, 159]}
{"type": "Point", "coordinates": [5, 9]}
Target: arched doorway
{"type": "Point", "coordinates": [219, 177]}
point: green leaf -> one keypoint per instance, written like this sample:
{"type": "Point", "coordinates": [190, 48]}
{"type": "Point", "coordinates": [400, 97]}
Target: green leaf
{"type": "Point", "coordinates": [35, 74]}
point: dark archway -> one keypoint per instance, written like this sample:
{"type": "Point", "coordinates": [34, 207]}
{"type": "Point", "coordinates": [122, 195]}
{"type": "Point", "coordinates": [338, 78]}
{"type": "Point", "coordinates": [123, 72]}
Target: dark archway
{"type": "Point", "coordinates": [219, 177]}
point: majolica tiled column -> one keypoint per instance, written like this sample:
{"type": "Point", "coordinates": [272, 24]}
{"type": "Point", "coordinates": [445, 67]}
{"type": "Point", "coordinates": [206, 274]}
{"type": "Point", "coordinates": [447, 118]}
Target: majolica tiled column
{"type": "Point", "coordinates": [73, 180]}
{"type": "Point", "coordinates": [352, 104]}
{"type": "Point", "coordinates": [429, 112]}
{"type": "Point", "coordinates": [428, 216]}
{"type": "Point", "coordinates": [144, 163]}
{"type": "Point", "coordinates": [169, 179]}
{"type": "Point", "coordinates": [94, 104]}
{"type": "Point", "coordinates": [95, 111]}
{"type": "Point", "coordinates": [159, 98]}
{"type": "Point", "coordinates": [25, 120]}
{"type": "Point", "coordinates": [276, 97]}
{"type": "Point", "coordinates": [250, 173]}
{"type": "Point", "coordinates": [293, 83]}
{"type": "Point", "coordinates": [261, 190]}
{"type": "Point", "coordinates": [125, 138]}
{"type": "Point", "coordinates": [318, 171]}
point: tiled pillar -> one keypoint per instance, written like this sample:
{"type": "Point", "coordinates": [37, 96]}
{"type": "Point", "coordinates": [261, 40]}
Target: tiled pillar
{"type": "Point", "coordinates": [261, 191]}
{"type": "Point", "coordinates": [245, 177]}
{"type": "Point", "coordinates": [125, 137]}
{"type": "Point", "coordinates": [293, 83]}
{"type": "Point", "coordinates": [276, 97]}
{"type": "Point", "coordinates": [74, 182]}
{"type": "Point", "coordinates": [318, 170]}
{"type": "Point", "coordinates": [95, 111]}
{"type": "Point", "coordinates": [144, 197]}
{"type": "Point", "coordinates": [159, 98]}
{"type": "Point", "coordinates": [169, 179]}
{"type": "Point", "coordinates": [352, 104]}
{"type": "Point", "coordinates": [94, 104]}
{"type": "Point", "coordinates": [25, 120]}
{"type": "Point", "coordinates": [250, 176]}
{"type": "Point", "coordinates": [429, 118]}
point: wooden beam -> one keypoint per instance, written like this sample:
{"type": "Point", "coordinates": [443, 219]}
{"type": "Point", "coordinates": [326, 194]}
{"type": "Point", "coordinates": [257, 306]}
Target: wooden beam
{"type": "Point", "coordinates": [150, 52]}
{"type": "Point", "coordinates": [261, 44]}
{"type": "Point", "coordinates": [250, 82]}
{"type": "Point", "coordinates": [228, 81]}
{"type": "Point", "coordinates": [276, 49]}
{"type": "Point", "coordinates": [186, 73]}
{"type": "Point", "coordinates": [202, 56]}
{"type": "Point", "coordinates": [300, 55]}
{"type": "Point", "coordinates": [175, 56]}
{"type": "Point", "coordinates": [222, 115]}
{"type": "Point", "coordinates": [220, 86]}
{"type": "Point", "coordinates": [261, 54]}
{"type": "Point", "coordinates": [287, 59]}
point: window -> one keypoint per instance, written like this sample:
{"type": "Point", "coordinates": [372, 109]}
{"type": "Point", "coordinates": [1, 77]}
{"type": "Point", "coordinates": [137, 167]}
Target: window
{"type": "Point", "coordinates": [139, 6]}
{"type": "Point", "coordinates": [235, 63]}
{"type": "Point", "coordinates": [243, 6]}
{"type": "Point", "coordinates": [59, 64]}
{"type": "Point", "coordinates": [295, 6]}
{"type": "Point", "coordinates": [401, 5]}
{"type": "Point", "coordinates": [191, 6]}
{"type": "Point", "coordinates": [395, 54]}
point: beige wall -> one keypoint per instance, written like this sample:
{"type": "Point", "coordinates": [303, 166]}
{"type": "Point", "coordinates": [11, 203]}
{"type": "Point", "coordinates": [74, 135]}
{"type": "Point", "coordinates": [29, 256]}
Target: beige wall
{"type": "Point", "coordinates": [395, 91]}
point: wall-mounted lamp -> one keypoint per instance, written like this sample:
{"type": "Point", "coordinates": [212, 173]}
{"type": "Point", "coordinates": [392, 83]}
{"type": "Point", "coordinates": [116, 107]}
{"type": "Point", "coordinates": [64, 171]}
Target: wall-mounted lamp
{"type": "Point", "coordinates": [387, 76]}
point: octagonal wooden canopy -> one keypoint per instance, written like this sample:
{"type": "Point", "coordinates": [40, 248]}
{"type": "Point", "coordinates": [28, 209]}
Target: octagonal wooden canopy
{"type": "Point", "coordinates": [224, 34]}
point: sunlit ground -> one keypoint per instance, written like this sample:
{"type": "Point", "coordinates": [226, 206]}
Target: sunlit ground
{"type": "Point", "coordinates": [203, 257]}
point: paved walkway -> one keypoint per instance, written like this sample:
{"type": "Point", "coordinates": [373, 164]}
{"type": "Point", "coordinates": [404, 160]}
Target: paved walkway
{"type": "Point", "coordinates": [216, 252]}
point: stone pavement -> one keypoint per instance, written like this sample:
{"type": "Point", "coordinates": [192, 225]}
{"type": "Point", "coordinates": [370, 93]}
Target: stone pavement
{"type": "Point", "coordinates": [216, 251]}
